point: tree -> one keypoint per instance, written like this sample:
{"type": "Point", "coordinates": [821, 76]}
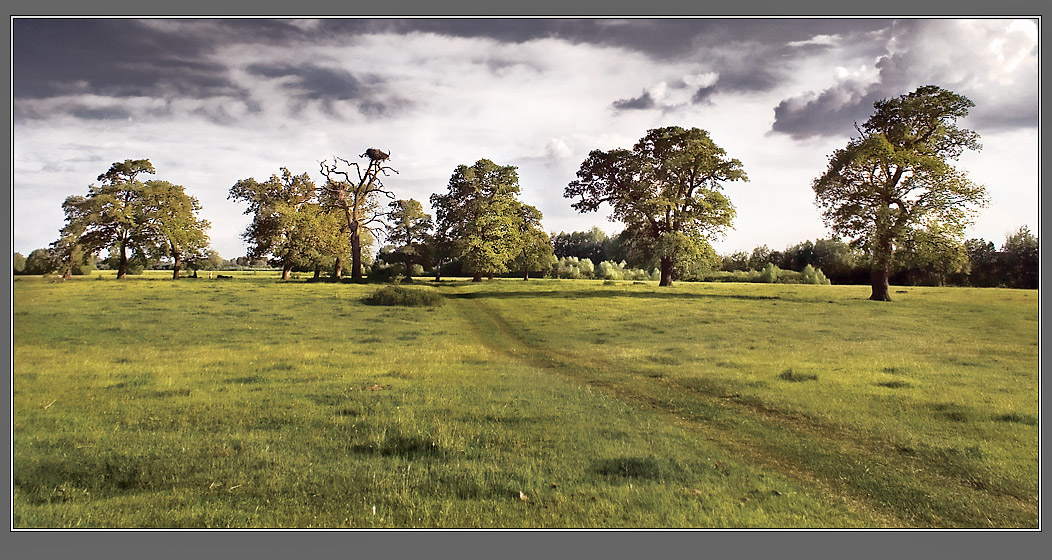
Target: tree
{"type": "Point", "coordinates": [357, 196]}
{"type": "Point", "coordinates": [39, 262]}
{"type": "Point", "coordinates": [896, 177]}
{"type": "Point", "coordinates": [478, 215]}
{"type": "Point", "coordinates": [593, 244]}
{"type": "Point", "coordinates": [1019, 259]}
{"type": "Point", "coordinates": [112, 215]}
{"type": "Point", "coordinates": [284, 220]}
{"type": "Point", "coordinates": [19, 263]}
{"type": "Point", "coordinates": [535, 251]}
{"type": "Point", "coordinates": [930, 256]}
{"type": "Point", "coordinates": [666, 190]}
{"type": "Point", "coordinates": [408, 229]}
{"type": "Point", "coordinates": [984, 263]}
{"type": "Point", "coordinates": [173, 215]}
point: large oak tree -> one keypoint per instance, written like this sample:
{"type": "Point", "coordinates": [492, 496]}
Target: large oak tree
{"type": "Point", "coordinates": [666, 190]}
{"type": "Point", "coordinates": [896, 180]}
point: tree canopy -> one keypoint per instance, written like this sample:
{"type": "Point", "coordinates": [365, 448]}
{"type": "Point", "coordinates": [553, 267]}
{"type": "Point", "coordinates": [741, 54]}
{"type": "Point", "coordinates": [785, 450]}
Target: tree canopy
{"type": "Point", "coordinates": [481, 216]}
{"type": "Point", "coordinates": [123, 214]}
{"type": "Point", "coordinates": [667, 191]}
{"type": "Point", "coordinates": [895, 180]}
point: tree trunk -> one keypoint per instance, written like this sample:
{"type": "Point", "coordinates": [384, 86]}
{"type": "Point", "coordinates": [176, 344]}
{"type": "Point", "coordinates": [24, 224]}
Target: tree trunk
{"type": "Point", "coordinates": [438, 271]}
{"type": "Point", "coordinates": [477, 277]}
{"type": "Point", "coordinates": [122, 264]}
{"type": "Point", "coordinates": [68, 273]}
{"type": "Point", "coordinates": [286, 270]}
{"type": "Point", "coordinates": [176, 266]}
{"type": "Point", "coordinates": [878, 275]}
{"type": "Point", "coordinates": [525, 274]}
{"type": "Point", "coordinates": [666, 271]}
{"type": "Point", "coordinates": [317, 271]}
{"type": "Point", "coordinates": [337, 270]}
{"type": "Point", "coordinates": [356, 255]}
{"type": "Point", "coordinates": [879, 280]}
{"type": "Point", "coordinates": [408, 269]}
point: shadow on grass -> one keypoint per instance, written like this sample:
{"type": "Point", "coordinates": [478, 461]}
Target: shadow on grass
{"type": "Point", "coordinates": [602, 294]}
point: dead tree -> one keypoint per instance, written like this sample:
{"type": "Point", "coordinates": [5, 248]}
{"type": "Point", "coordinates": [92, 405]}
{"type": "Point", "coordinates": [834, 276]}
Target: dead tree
{"type": "Point", "coordinates": [357, 195]}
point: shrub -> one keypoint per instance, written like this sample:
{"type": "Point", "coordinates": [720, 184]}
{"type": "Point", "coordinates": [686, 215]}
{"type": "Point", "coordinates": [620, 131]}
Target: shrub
{"type": "Point", "coordinates": [812, 275]}
{"type": "Point", "coordinates": [405, 297]}
{"type": "Point", "coordinates": [382, 272]}
{"type": "Point", "coordinates": [769, 274]}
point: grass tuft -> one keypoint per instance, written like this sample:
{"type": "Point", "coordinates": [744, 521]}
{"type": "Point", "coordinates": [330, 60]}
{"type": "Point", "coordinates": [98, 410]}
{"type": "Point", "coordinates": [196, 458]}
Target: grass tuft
{"type": "Point", "coordinates": [398, 296]}
{"type": "Point", "coordinates": [790, 375]}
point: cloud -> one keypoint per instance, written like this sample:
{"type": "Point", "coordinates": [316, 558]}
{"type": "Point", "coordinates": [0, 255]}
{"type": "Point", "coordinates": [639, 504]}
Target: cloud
{"type": "Point", "coordinates": [992, 62]}
{"type": "Point", "coordinates": [645, 101]}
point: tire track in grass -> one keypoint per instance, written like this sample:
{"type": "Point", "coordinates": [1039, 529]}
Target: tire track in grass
{"type": "Point", "coordinates": [870, 475]}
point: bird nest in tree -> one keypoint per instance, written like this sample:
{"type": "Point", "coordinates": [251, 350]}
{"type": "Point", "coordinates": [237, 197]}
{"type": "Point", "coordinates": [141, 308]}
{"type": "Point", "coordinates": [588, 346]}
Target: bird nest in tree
{"type": "Point", "coordinates": [376, 155]}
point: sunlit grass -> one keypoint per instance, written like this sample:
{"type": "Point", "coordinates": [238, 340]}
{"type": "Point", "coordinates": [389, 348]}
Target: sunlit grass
{"type": "Point", "coordinates": [257, 403]}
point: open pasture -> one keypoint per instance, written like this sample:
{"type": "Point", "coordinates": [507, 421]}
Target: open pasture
{"type": "Point", "coordinates": [251, 402]}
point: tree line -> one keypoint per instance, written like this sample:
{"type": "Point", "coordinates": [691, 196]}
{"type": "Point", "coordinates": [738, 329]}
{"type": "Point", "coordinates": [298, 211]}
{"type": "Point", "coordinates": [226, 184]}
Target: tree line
{"type": "Point", "coordinates": [892, 193]}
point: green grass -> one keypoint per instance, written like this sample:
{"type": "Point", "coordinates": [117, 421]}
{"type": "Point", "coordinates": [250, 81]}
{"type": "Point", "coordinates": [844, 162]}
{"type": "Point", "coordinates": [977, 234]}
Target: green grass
{"type": "Point", "coordinates": [257, 403]}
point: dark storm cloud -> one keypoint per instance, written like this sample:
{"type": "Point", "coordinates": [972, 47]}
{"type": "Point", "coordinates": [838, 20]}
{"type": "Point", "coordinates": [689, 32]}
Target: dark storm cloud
{"type": "Point", "coordinates": [101, 113]}
{"type": "Point", "coordinates": [121, 58]}
{"type": "Point", "coordinates": [313, 82]}
{"type": "Point", "coordinates": [328, 85]}
{"type": "Point", "coordinates": [644, 101]}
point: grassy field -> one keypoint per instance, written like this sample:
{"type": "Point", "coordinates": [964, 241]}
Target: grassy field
{"type": "Point", "coordinates": [551, 403]}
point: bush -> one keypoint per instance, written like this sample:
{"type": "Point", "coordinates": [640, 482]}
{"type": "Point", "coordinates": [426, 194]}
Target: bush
{"type": "Point", "coordinates": [769, 274]}
{"type": "Point", "coordinates": [381, 272]}
{"type": "Point", "coordinates": [812, 275]}
{"type": "Point", "coordinates": [398, 296]}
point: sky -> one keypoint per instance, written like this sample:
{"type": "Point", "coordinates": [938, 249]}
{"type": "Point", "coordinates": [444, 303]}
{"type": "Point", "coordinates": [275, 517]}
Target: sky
{"type": "Point", "coordinates": [212, 101]}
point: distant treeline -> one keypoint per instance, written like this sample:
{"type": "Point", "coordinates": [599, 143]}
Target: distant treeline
{"type": "Point", "coordinates": [976, 262]}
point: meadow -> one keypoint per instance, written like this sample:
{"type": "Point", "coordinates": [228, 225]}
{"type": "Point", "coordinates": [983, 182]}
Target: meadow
{"type": "Point", "coordinates": [251, 402]}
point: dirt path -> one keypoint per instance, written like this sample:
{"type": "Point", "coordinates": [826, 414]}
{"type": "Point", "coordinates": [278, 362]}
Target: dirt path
{"type": "Point", "coordinates": [881, 479]}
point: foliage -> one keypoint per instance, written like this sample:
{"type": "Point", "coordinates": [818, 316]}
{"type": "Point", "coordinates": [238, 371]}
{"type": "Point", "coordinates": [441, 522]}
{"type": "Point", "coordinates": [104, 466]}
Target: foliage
{"type": "Point", "coordinates": [112, 216]}
{"type": "Point", "coordinates": [666, 190]}
{"type": "Point", "coordinates": [897, 177]}
{"type": "Point", "coordinates": [769, 274]}
{"type": "Point", "coordinates": [1020, 258]}
{"type": "Point", "coordinates": [173, 216]}
{"type": "Point", "coordinates": [573, 267]}
{"type": "Point", "coordinates": [408, 229]}
{"type": "Point", "coordinates": [593, 244]}
{"type": "Point", "coordinates": [479, 214]}
{"type": "Point", "coordinates": [288, 223]}
{"type": "Point", "coordinates": [812, 275]}
{"type": "Point", "coordinates": [404, 297]}
{"type": "Point", "coordinates": [19, 262]}
{"type": "Point", "coordinates": [39, 262]}
{"type": "Point", "coordinates": [534, 251]}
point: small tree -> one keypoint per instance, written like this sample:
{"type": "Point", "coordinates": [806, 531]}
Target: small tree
{"type": "Point", "coordinates": [408, 229]}
{"type": "Point", "coordinates": [19, 263]}
{"type": "Point", "coordinates": [535, 251]}
{"type": "Point", "coordinates": [173, 215]}
{"type": "Point", "coordinates": [39, 262]}
{"type": "Point", "coordinates": [1020, 259]}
